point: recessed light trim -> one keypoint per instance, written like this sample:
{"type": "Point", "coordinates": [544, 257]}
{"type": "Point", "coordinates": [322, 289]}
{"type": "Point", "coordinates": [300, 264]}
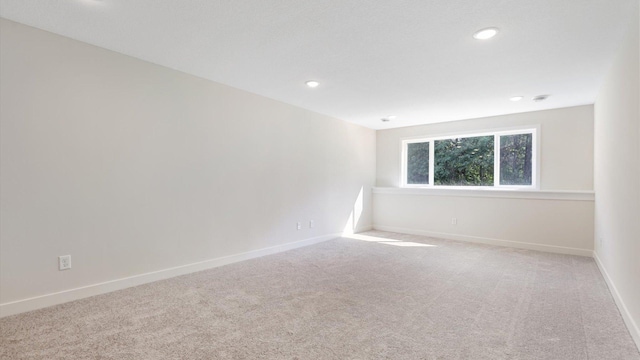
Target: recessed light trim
{"type": "Point", "coordinates": [312, 83]}
{"type": "Point", "coordinates": [485, 34]}
{"type": "Point", "coordinates": [540, 98]}
{"type": "Point", "coordinates": [516, 98]}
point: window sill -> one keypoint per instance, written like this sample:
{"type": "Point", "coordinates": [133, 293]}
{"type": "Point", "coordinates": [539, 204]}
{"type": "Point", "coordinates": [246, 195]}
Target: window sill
{"type": "Point", "coordinates": [491, 193]}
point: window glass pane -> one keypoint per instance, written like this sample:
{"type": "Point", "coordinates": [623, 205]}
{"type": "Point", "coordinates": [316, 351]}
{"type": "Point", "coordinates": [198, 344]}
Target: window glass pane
{"type": "Point", "coordinates": [515, 159]}
{"type": "Point", "coordinates": [464, 161]}
{"type": "Point", "coordinates": [418, 163]}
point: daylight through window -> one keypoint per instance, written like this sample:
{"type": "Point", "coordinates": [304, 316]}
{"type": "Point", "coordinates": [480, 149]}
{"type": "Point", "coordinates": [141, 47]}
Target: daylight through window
{"type": "Point", "coordinates": [500, 159]}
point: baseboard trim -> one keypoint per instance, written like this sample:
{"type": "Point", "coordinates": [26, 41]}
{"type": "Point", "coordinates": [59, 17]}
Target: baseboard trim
{"type": "Point", "coordinates": [38, 302]}
{"type": "Point", "coordinates": [363, 228]}
{"type": "Point", "coordinates": [489, 241]}
{"type": "Point", "coordinates": [633, 328]}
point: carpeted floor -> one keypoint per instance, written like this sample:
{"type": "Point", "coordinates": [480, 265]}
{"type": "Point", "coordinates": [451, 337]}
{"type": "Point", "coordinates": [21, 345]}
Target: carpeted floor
{"type": "Point", "coordinates": [379, 296]}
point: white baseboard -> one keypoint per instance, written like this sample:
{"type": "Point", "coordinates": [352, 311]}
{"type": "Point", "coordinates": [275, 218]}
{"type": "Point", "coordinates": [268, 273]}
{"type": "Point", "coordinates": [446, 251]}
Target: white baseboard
{"type": "Point", "coordinates": [634, 330]}
{"type": "Point", "coordinates": [38, 302]}
{"type": "Point", "coordinates": [489, 241]}
{"type": "Point", "coordinates": [363, 228]}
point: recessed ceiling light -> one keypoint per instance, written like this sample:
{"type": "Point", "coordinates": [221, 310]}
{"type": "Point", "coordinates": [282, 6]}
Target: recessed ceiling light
{"type": "Point", "coordinates": [485, 34]}
{"type": "Point", "coordinates": [516, 98]}
{"type": "Point", "coordinates": [384, 120]}
{"type": "Point", "coordinates": [391, 117]}
{"type": "Point", "coordinates": [312, 83]}
{"type": "Point", "coordinates": [540, 98]}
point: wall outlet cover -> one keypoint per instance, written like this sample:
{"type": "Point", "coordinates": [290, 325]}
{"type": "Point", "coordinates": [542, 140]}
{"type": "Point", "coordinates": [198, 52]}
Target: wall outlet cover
{"type": "Point", "coordinates": [64, 262]}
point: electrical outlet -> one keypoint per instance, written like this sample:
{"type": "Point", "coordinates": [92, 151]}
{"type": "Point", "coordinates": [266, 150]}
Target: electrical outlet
{"type": "Point", "coordinates": [299, 225]}
{"type": "Point", "coordinates": [454, 221]}
{"type": "Point", "coordinates": [64, 262]}
{"type": "Point", "coordinates": [311, 224]}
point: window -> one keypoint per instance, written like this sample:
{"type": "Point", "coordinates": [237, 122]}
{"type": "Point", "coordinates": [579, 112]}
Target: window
{"type": "Point", "coordinates": [501, 159]}
{"type": "Point", "coordinates": [466, 161]}
{"type": "Point", "coordinates": [418, 163]}
{"type": "Point", "coordinates": [516, 156]}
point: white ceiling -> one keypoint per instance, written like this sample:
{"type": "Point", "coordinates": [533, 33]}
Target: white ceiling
{"type": "Point", "coordinates": [412, 58]}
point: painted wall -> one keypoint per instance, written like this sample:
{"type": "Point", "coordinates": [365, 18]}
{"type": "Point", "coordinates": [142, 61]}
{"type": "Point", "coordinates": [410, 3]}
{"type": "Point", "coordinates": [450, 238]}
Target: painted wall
{"type": "Point", "coordinates": [556, 225]}
{"type": "Point", "coordinates": [617, 178]}
{"type": "Point", "coordinates": [131, 167]}
{"type": "Point", "coordinates": [566, 145]}
{"type": "Point", "coordinates": [556, 222]}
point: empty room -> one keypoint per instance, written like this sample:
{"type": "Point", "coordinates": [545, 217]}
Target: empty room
{"type": "Point", "coordinates": [350, 179]}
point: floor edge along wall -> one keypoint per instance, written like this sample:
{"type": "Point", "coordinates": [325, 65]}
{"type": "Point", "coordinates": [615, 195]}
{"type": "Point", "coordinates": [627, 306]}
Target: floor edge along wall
{"type": "Point", "coordinates": [38, 302]}
{"type": "Point", "coordinates": [633, 328]}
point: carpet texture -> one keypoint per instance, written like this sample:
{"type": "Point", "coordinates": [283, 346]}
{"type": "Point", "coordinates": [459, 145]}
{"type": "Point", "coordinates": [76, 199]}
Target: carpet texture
{"type": "Point", "coordinates": [378, 295]}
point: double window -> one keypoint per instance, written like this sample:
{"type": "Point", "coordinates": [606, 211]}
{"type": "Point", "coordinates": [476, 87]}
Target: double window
{"type": "Point", "coordinates": [501, 159]}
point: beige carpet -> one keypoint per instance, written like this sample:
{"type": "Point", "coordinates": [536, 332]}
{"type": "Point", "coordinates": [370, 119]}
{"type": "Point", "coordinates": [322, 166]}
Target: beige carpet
{"type": "Point", "coordinates": [412, 298]}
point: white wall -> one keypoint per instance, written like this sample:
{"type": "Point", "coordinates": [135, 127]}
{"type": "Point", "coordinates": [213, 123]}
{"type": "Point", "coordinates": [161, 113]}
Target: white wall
{"type": "Point", "coordinates": [566, 142]}
{"type": "Point", "coordinates": [558, 220]}
{"type": "Point", "coordinates": [132, 168]}
{"type": "Point", "coordinates": [617, 179]}
{"type": "Point", "coordinates": [555, 225]}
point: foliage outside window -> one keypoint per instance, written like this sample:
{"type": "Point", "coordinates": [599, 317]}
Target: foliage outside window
{"type": "Point", "coordinates": [464, 161]}
{"type": "Point", "coordinates": [516, 153]}
{"type": "Point", "coordinates": [501, 159]}
{"type": "Point", "coordinates": [418, 157]}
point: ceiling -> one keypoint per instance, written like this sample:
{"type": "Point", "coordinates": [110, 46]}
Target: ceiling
{"type": "Point", "coordinates": [415, 59]}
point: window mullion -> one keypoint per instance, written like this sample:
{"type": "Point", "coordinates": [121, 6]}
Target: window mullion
{"type": "Point", "coordinates": [496, 161]}
{"type": "Point", "coordinates": [404, 169]}
{"type": "Point", "coordinates": [432, 166]}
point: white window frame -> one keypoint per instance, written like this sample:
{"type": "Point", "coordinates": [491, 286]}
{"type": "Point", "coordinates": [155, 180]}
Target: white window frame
{"type": "Point", "coordinates": [534, 130]}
